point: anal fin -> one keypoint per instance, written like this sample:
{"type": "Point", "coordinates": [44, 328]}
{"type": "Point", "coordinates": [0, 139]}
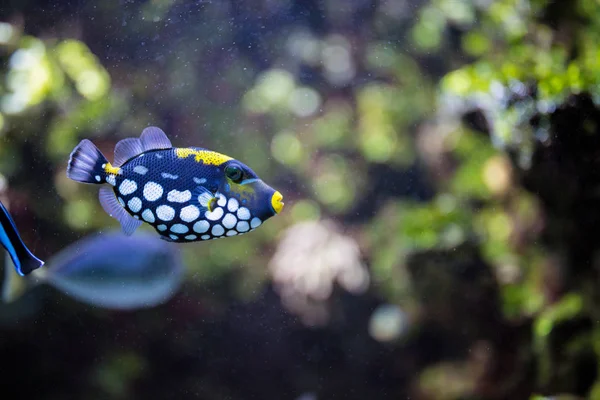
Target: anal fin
{"type": "Point", "coordinates": [114, 209]}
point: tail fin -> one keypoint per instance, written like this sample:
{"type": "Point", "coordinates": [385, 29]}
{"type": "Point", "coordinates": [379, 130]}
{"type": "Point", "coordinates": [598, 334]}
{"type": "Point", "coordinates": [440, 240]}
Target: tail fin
{"type": "Point", "coordinates": [87, 164]}
{"type": "Point", "coordinates": [22, 258]}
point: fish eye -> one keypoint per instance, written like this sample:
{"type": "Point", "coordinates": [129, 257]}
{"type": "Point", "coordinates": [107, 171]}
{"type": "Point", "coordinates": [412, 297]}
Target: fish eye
{"type": "Point", "coordinates": [234, 173]}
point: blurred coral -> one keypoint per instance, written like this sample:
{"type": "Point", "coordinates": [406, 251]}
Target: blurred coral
{"type": "Point", "coordinates": [311, 257]}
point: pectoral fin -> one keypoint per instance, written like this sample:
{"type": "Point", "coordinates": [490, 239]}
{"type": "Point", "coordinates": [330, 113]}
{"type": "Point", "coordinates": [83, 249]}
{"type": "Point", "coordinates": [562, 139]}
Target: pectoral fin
{"type": "Point", "coordinates": [114, 209]}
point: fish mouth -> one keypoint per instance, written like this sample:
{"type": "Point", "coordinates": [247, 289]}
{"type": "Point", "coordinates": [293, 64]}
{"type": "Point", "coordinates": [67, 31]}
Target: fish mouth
{"type": "Point", "coordinates": [276, 202]}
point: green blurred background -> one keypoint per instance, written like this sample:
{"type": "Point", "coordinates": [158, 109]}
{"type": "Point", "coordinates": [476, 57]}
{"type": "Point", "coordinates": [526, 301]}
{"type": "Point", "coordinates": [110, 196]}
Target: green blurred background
{"type": "Point", "coordinates": [440, 165]}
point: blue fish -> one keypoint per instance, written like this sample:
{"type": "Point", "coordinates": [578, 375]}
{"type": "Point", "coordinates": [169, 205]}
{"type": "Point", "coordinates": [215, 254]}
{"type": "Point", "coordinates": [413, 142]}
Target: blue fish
{"type": "Point", "coordinates": [111, 271]}
{"type": "Point", "coordinates": [104, 270]}
{"type": "Point", "coordinates": [22, 258]}
{"type": "Point", "coordinates": [108, 271]}
{"type": "Point", "coordinates": [186, 194]}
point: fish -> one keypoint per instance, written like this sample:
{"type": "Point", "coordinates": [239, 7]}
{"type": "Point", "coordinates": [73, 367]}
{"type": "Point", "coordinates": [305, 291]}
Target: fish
{"type": "Point", "coordinates": [23, 259]}
{"type": "Point", "coordinates": [186, 194]}
{"type": "Point", "coordinates": [109, 271]}
{"type": "Point", "coordinates": [105, 270]}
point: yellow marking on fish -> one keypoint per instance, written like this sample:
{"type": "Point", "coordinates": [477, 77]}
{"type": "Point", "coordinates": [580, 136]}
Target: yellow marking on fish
{"type": "Point", "coordinates": [207, 156]}
{"type": "Point", "coordinates": [212, 204]}
{"type": "Point", "coordinates": [244, 192]}
{"type": "Point", "coordinates": [109, 169]}
{"type": "Point", "coordinates": [276, 202]}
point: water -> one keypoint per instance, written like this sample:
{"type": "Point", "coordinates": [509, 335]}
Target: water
{"type": "Point", "coordinates": [437, 160]}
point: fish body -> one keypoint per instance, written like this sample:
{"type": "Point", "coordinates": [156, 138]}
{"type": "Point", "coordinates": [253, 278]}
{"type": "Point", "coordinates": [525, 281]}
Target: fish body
{"type": "Point", "coordinates": [186, 194]}
{"type": "Point", "coordinates": [104, 270]}
{"type": "Point", "coordinates": [115, 272]}
{"type": "Point", "coordinates": [109, 271]}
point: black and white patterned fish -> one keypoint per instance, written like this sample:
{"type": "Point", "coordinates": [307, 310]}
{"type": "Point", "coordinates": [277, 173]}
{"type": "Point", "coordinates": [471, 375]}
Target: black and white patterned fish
{"type": "Point", "coordinates": [186, 194]}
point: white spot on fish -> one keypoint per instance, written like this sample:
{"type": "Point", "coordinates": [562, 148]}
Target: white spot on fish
{"type": "Point", "coordinates": [174, 237]}
{"type": "Point", "coordinates": [232, 205]}
{"type": "Point", "coordinates": [191, 237]}
{"type": "Point", "coordinates": [161, 227]}
{"type": "Point", "coordinates": [179, 228]}
{"type": "Point", "coordinates": [214, 215]}
{"type": "Point", "coordinates": [103, 166]}
{"type": "Point", "coordinates": [175, 196]}
{"type": "Point", "coordinates": [201, 226]}
{"type": "Point", "coordinates": [189, 213]}
{"type": "Point", "coordinates": [127, 187]}
{"type": "Point", "coordinates": [148, 216]}
{"type": "Point", "coordinates": [242, 226]}
{"type": "Point", "coordinates": [121, 201]}
{"type": "Point", "coordinates": [152, 191]}
{"type": "Point", "coordinates": [231, 233]}
{"type": "Point", "coordinates": [166, 213]}
{"type": "Point", "coordinates": [204, 199]}
{"type": "Point", "coordinates": [159, 155]}
{"type": "Point", "coordinates": [255, 223]}
{"type": "Point", "coordinates": [243, 213]}
{"type": "Point", "coordinates": [169, 176]}
{"type": "Point", "coordinates": [111, 180]}
{"type": "Point", "coordinates": [199, 181]}
{"type": "Point", "coordinates": [205, 237]}
{"type": "Point", "coordinates": [229, 221]}
{"type": "Point", "coordinates": [135, 204]}
{"type": "Point", "coordinates": [222, 200]}
{"type": "Point", "coordinates": [140, 169]}
{"type": "Point", "coordinates": [97, 178]}
{"type": "Point", "coordinates": [217, 230]}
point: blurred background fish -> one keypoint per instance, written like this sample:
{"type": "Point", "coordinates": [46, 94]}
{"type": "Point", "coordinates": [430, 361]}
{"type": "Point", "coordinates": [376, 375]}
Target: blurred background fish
{"type": "Point", "coordinates": [108, 270]}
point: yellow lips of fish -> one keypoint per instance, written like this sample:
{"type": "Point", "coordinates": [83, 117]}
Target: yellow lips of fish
{"type": "Point", "coordinates": [276, 202]}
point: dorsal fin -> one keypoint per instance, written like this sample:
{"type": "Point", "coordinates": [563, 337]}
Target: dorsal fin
{"type": "Point", "coordinates": [126, 149]}
{"type": "Point", "coordinates": [154, 138]}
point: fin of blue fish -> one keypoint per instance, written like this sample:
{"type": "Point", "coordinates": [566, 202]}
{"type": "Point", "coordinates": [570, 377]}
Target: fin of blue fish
{"type": "Point", "coordinates": [110, 204]}
{"type": "Point", "coordinates": [87, 164]}
{"type": "Point", "coordinates": [154, 138]}
{"type": "Point", "coordinates": [126, 149]}
{"type": "Point", "coordinates": [22, 258]}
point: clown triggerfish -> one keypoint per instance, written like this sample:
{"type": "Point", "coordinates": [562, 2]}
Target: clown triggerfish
{"type": "Point", "coordinates": [186, 194]}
